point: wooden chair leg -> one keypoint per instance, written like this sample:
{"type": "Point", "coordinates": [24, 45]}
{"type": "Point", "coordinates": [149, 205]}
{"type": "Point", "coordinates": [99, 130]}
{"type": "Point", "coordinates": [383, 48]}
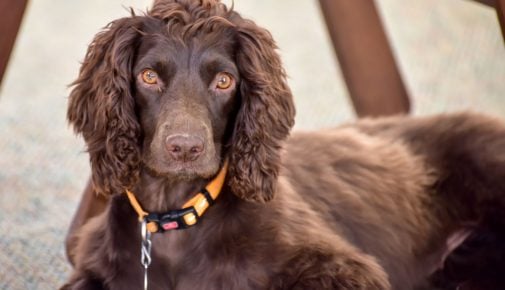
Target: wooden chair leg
{"type": "Point", "coordinates": [500, 10]}
{"type": "Point", "coordinates": [11, 14]}
{"type": "Point", "coordinates": [365, 57]}
{"type": "Point", "coordinates": [499, 5]}
{"type": "Point", "coordinates": [90, 205]}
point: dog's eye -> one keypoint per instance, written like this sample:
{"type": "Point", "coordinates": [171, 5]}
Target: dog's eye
{"type": "Point", "coordinates": [149, 77]}
{"type": "Point", "coordinates": [223, 81]}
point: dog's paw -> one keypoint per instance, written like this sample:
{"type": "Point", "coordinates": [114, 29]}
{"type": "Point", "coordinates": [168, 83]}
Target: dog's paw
{"type": "Point", "coordinates": [312, 269]}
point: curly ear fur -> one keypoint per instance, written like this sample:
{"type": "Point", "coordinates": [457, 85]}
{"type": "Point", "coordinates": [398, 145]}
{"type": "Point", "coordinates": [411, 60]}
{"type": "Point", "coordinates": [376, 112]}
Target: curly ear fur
{"type": "Point", "coordinates": [102, 108]}
{"type": "Point", "coordinates": [265, 117]}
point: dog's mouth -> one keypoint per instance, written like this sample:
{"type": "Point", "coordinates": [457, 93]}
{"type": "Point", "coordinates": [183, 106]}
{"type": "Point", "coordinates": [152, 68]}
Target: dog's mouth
{"type": "Point", "coordinates": [182, 170]}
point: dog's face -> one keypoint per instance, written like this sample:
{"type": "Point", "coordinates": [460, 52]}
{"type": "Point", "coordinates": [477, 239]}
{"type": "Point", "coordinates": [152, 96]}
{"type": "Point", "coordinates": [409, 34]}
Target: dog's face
{"type": "Point", "coordinates": [175, 92]}
{"type": "Point", "coordinates": [186, 99]}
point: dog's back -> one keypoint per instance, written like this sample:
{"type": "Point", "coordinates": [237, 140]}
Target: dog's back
{"type": "Point", "coordinates": [398, 188]}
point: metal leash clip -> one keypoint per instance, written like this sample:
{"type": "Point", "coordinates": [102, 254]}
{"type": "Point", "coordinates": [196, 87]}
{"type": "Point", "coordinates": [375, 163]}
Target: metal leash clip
{"type": "Point", "coordinates": [145, 249]}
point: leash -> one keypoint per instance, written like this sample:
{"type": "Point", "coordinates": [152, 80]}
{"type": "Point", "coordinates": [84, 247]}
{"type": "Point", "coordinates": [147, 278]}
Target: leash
{"type": "Point", "coordinates": [145, 250]}
{"type": "Point", "coordinates": [188, 216]}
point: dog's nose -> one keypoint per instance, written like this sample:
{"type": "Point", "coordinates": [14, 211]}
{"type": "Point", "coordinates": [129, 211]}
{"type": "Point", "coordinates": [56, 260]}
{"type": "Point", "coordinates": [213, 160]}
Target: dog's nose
{"type": "Point", "coordinates": [184, 147]}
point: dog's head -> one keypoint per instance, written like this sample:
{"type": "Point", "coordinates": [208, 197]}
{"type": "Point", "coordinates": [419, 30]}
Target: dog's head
{"type": "Point", "coordinates": [176, 91]}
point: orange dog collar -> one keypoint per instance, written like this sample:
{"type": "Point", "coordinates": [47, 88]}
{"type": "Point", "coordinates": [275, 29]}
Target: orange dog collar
{"type": "Point", "coordinates": [191, 211]}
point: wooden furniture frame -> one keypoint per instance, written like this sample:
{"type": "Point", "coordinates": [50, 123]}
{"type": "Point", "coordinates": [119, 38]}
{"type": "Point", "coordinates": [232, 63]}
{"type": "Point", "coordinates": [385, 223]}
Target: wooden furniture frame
{"type": "Point", "coordinates": [365, 56]}
{"type": "Point", "coordinates": [11, 15]}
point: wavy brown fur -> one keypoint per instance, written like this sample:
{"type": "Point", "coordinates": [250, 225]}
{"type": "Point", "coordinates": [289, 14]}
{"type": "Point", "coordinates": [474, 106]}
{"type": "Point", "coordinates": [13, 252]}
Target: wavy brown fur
{"type": "Point", "coordinates": [101, 107]}
{"type": "Point", "coordinates": [363, 206]}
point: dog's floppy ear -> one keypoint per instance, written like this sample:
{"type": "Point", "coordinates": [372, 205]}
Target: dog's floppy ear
{"type": "Point", "coordinates": [102, 109]}
{"type": "Point", "coordinates": [265, 117]}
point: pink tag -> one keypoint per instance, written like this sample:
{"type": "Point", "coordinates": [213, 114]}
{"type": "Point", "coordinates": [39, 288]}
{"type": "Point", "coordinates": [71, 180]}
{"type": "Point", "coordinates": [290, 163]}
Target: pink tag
{"type": "Point", "coordinates": [170, 226]}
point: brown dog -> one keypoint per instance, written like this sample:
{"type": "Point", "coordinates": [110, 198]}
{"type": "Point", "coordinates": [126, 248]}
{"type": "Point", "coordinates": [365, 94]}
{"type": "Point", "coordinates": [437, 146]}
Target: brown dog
{"type": "Point", "coordinates": [163, 100]}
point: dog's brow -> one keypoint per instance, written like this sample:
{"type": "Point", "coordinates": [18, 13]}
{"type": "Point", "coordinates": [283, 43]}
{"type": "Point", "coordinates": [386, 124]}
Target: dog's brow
{"type": "Point", "coordinates": [220, 63]}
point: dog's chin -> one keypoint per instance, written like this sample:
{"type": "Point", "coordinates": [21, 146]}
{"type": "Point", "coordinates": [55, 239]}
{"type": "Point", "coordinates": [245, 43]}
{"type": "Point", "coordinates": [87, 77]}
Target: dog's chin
{"type": "Point", "coordinates": [182, 171]}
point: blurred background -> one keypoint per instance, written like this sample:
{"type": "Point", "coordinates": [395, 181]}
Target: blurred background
{"type": "Point", "coordinates": [450, 54]}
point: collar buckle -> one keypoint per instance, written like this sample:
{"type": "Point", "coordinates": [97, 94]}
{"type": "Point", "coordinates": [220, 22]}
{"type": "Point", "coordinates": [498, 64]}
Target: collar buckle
{"type": "Point", "coordinates": [174, 219]}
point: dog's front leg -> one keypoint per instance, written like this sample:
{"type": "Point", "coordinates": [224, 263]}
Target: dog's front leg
{"type": "Point", "coordinates": [312, 268]}
{"type": "Point", "coordinates": [84, 282]}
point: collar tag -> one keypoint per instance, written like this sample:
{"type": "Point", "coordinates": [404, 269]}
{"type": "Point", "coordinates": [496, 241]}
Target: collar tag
{"type": "Point", "coordinates": [170, 226]}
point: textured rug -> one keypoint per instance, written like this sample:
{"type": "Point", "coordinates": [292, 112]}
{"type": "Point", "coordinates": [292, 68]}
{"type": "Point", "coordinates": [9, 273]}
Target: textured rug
{"type": "Point", "coordinates": [451, 54]}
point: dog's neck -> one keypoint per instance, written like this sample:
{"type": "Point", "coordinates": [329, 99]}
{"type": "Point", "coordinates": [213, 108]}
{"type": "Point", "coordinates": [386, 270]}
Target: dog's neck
{"type": "Point", "coordinates": [158, 194]}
